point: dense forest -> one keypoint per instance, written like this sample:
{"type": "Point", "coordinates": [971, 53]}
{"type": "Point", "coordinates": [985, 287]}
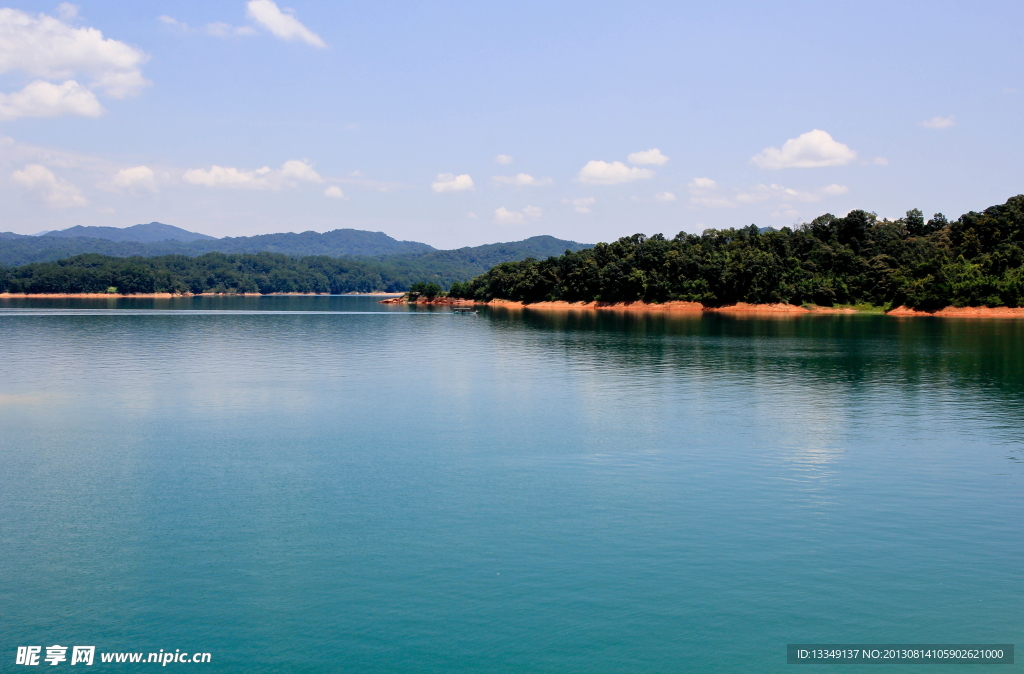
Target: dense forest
{"type": "Point", "coordinates": [975, 260]}
{"type": "Point", "coordinates": [462, 264]}
{"type": "Point", "coordinates": [213, 272]}
{"type": "Point", "coordinates": [268, 272]}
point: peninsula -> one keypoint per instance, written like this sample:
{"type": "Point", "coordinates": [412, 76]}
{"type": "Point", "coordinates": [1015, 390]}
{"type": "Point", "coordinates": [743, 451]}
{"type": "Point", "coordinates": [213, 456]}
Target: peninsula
{"type": "Point", "coordinates": [973, 265]}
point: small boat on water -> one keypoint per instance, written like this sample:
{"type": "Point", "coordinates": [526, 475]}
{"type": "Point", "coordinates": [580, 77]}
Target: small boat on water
{"type": "Point", "coordinates": [464, 311]}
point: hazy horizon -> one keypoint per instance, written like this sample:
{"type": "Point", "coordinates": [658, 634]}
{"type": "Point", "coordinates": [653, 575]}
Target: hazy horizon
{"type": "Point", "coordinates": [185, 229]}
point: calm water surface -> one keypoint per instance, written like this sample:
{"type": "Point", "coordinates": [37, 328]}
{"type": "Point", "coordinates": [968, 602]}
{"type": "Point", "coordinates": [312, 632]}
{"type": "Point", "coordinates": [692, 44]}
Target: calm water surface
{"type": "Point", "coordinates": [327, 484]}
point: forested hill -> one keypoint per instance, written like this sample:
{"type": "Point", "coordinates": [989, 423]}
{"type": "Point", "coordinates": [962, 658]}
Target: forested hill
{"type": "Point", "coordinates": [152, 232]}
{"type": "Point", "coordinates": [461, 264]}
{"type": "Point", "coordinates": [18, 250]}
{"type": "Point", "coordinates": [268, 272]}
{"type": "Point", "coordinates": [977, 259]}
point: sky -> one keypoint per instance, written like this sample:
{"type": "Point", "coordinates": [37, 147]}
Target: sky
{"type": "Point", "coordinates": [464, 123]}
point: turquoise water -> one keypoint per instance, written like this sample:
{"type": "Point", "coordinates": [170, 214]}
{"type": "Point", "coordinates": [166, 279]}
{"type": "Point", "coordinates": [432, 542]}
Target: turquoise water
{"type": "Point", "coordinates": [327, 484]}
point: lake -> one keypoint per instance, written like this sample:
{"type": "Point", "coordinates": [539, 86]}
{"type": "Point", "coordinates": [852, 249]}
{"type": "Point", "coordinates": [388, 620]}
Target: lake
{"type": "Point", "coordinates": [327, 484]}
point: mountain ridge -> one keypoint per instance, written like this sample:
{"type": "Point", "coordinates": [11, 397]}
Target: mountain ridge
{"type": "Point", "coordinates": [395, 264]}
{"type": "Point", "coordinates": [151, 232]}
{"type": "Point", "coordinates": [20, 249]}
{"type": "Point", "coordinates": [271, 272]}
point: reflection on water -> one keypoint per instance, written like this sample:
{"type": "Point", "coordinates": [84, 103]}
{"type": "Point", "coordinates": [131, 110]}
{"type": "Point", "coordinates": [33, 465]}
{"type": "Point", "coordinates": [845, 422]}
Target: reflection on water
{"type": "Point", "coordinates": [298, 482]}
{"type": "Point", "coordinates": [207, 302]}
{"type": "Point", "coordinates": [813, 378]}
{"type": "Point", "coordinates": [853, 352]}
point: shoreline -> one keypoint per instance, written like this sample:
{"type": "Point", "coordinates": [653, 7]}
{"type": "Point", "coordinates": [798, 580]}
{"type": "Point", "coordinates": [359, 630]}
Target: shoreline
{"type": "Point", "coordinates": [743, 308]}
{"type": "Point", "coordinates": [962, 312]}
{"type": "Point", "coordinates": [740, 308]}
{"type": "Point", "coordinates": [22, 296]}
{"type": "Point", "coordinates": [674, 307]}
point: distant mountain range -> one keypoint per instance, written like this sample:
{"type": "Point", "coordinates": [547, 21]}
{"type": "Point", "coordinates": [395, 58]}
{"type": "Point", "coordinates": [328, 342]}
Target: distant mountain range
{"type": "Point", "coordinates": [156, 238]}
{"type": "Point", "coordinates": [153, 232]}
{"type": "Point", "coordinates": [402, 259]}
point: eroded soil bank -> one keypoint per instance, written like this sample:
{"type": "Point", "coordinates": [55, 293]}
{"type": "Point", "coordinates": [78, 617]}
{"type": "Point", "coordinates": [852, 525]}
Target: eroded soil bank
{"type": "Point", "coordinates": [963, 312]}
{"type": "Point", "coordinates": [740, 308]}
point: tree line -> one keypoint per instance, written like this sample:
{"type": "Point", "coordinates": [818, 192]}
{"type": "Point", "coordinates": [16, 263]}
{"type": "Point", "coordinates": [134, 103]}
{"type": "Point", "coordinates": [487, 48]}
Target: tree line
{"type": "Point", "coordinates": [211, 273]}
{"type": "Point", "coordinates": [975, 260]}
{"type": "Point", "coordinates": [265, 272]}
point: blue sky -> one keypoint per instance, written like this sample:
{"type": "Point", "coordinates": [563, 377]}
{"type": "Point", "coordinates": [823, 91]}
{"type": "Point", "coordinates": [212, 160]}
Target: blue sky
{"type": "Point", "coordinates": [459, 123]}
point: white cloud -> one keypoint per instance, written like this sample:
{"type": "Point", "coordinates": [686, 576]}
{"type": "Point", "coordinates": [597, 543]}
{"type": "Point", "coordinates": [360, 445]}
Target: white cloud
{"type": "Point", "coordinates": [503, 216]}
{"type": "Point", "coordinates": [47, 47]}
{"type": "Point", "coordinates": [449, 182]}
{"type": "Point", "coordinates": [581, 205]}
{"type": "Point", "coordinates": [334, 192]}
{"type": "Point", "coordinates": [219, 29]}
{"type": "Point", "coordinates": [813, 149]}
{"type": "Point", "coordinates": [171, 21]}
{"type": "Point", "coordinates": [13, 152]}
{"type": "Point", "coordinates": [227, 176]}
{"type": "Point", "coordinates": [216, 29]}
{"type": "Point", "coordinates": [136, 177]}
{"type": "Point", "coordinates": [285, 26]}
{"type": "Point", "coordinates": [602, 173]}
{"type": "Point", "coordinates": [56, 192]}
{"type": "Point", "coordinates": [472, 215]}
{"type": "Point", "coordinates": [652, 156]}
{"type": "Point", "coordinates": [880, 161]}
{"type": "Point", "coordinates": [503, 159]}
{"type": "Point", "coordinates": [295, 169]}
{"type": "Point", "coordinates": [939, 122]}
{"type": "Point", "coordinates": [665, 196]}
{"type": "Point", "coordinates": [259, 179]}
{"type": "Point", "coordinates": [522, 180]}
{"type": "Point", "coordinates": [43, 99]}
{"type": "Point", "coordinates": [705, 192]}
